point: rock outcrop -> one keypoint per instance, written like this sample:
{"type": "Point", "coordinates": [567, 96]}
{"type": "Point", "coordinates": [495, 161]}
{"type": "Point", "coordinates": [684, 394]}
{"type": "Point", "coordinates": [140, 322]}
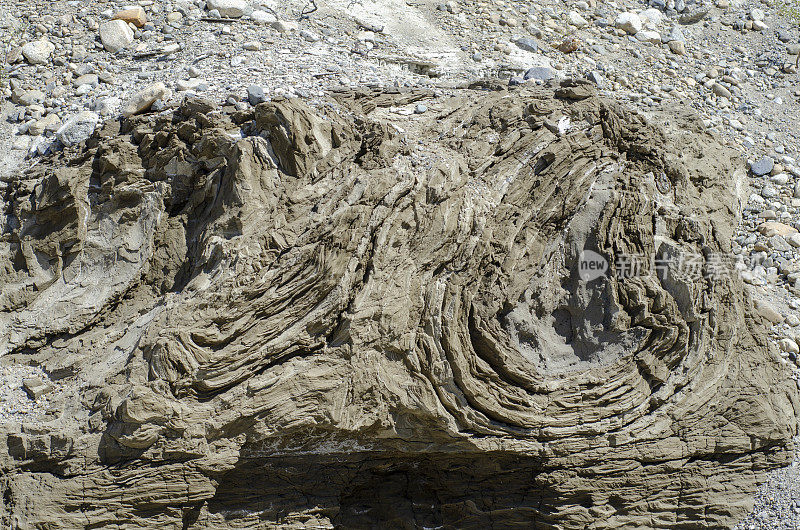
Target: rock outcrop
{"type": "Point", "coordinates": [347, 316]}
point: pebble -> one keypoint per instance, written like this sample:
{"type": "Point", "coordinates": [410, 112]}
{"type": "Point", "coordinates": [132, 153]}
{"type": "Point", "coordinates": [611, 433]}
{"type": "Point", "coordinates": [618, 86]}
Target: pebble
{"type": "Point", "coordinates": [766, 311]}
{"type": "Point", "coordinates": [134, 15]}
{"type": "Point", "coordinates": [653, 37]}
{"type": "Point", "coordinates": [575, 19]}
{"type": "Point", "coordinates": [629, 22]}
{"type": "Point", "coordinates": [255, 95]}
{"type": "Point", "coordinates": [540, 73]}
{"type": "Point", "coordinates": [762, 166]}
{"type": "Point", "coordinates": [48, 123]}
{"type": "Point", "coordinates": [529, 45]}
{"type": "Point", "coordinates": [228, 8]}
{"type": "Point", "coordinates": [759, 25]}
{"type": "Point", "coordinates": [142, 100]}
{"type": "Point", "coordinates": [789, 345]}
{"type": "Point", "coordinates": [194, 83]}
{"type": "Point", "coordinates": [720, 91]}
{"type": "Point", "coordinates": [285, 26]}
{"type": "Point", "coordinates": [677, 47]}
{"type": "Point", "coordinates": [115, 35]}
{"type": "Point", "coordinates": [35, 387]}
{"type": "Point", "coordinates": [38, 52]}
{"type": "Point", "coordinates": [263, 17]}
{"type": "Point", "coordinates": [78, 128]}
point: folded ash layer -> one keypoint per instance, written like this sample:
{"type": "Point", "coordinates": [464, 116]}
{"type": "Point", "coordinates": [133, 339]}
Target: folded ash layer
{"type": "Point", "coordinates": [346, 316]}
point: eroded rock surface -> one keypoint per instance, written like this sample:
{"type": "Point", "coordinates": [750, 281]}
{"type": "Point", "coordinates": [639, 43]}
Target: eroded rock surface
{"type": "Point", "coordinates": [337, 316]}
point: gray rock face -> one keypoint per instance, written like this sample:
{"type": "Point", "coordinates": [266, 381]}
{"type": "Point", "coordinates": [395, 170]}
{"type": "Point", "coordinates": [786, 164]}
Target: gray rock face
{"type": "Point", "coordinates": [285, 314]}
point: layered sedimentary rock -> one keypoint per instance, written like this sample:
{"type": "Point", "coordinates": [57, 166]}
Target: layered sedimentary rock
{"type": "Point", "coordinates": [343, 316]}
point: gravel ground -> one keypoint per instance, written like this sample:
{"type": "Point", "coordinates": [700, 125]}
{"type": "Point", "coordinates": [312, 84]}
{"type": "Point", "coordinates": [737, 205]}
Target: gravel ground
{"type": "Point", "coordinates": [777, 503]}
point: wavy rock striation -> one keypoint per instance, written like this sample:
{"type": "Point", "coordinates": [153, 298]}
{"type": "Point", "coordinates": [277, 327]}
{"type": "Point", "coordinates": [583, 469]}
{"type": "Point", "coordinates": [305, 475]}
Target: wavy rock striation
{"type": "Point", "coordinates": [342, 316]}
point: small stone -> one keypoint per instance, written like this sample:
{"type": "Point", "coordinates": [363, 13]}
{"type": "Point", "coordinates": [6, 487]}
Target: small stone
{"type": "Point", "coordinates": [720, 91]}
{"type": "Point", "coordinates": [596, 77]}
{"type": "Point", "coordinates": [285, 26]}
{"type": "Point", "coordinates": [252, 46]}
{"type": "Point", "coordinates": [420, 109]}
{"type": "Point", "coordinates": [313, 37]}
{"type": "Point", "coordinates": [779, 243]}
{"type": "Point", "coordinates": [106, 106]}
{"type": "Point", "coordinates": [141, 101]}
{"type": "Point", "coordinates": [677, 47]}
{"type": "Point", "coordinates": [788, 345]}
{"type": "Point", "coordinates": [575, 19]}
{"type": "Point", "coordinates": [263, 17]}
{"type": "Point", "coordinates": [757, 14]}
{"type": "Point", "coordinates": [540, 73]}
{"type": "Point", "coordinates": [26, 98]}
{"type": "Point", "coordinates": [760, 25]}
{"type": "Point", "coordinates": [134, 15]}
{"type": "Point", "coordinates": [653, 37]}
{"type": "Point", "coordinates": [38, 52]}
{"type": "Point", "coordinates": [184, 85]}
{"type": "Point", "coordinates": [763, 166]}
{"type": "Point", "coordinates": [652, 17]}
{"type": "Point", "coordinates": [115, 35]}
{"type": "Point", "coordinates": [781, 179]}
{"type": "Point", "coordinates": [228, 8]}
{"type": "Point", "coordinates": [78, 128]}
{"type": "Point", "coordinates": [86, 79]}
{"type": "Point", "coordinates": [629, 22]}
{"type": "Point", "coordinates": [529, 45]}
{"type": "Point", "coordinates": [255, 95]}
{"type": "Point", "coordinates": [768, 312]}
{"type": "Point", "coordinates": [693, 18]}
{"type": "Point", "coordinates": [772, 228]}
{"type": "Point", "coordinates": [793, 240]}
{"type": "Point", "coordinates": [48, 123]}
{"type": "Point", "coordinates": [35, 387]}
